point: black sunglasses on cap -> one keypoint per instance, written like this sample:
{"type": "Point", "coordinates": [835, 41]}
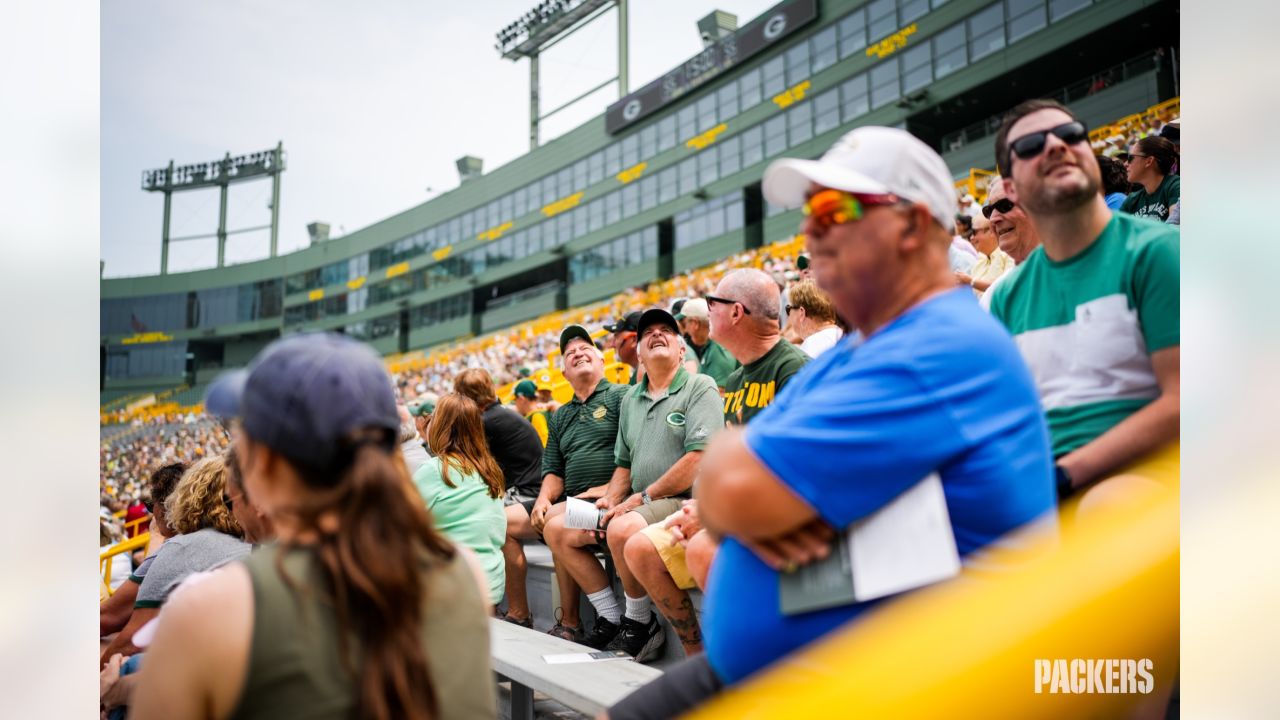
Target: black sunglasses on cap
{"type": "Point", "coordinates": [1031, 145]}
{"type": "Point", "coordinates": [1004, 205]}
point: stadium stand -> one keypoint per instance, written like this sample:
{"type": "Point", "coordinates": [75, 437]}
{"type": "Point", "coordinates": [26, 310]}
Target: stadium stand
{"type": "Point", "coordinates": [986, 656]}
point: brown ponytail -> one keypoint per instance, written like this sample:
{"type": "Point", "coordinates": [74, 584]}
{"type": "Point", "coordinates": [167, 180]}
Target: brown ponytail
{"type": "Point", "coordinates": [371, 561]}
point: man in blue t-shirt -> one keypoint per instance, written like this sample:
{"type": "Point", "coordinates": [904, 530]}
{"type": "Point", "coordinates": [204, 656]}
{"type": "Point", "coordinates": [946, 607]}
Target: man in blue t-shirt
{"type": "Point", "coordinates": [936, 386]}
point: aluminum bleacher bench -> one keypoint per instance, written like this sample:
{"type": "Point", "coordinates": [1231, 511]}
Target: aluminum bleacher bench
{"type": "Point", "coordinates": [589, 688]}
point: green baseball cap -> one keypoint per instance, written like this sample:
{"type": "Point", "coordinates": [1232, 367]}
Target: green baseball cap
{"type": "Point", "coordinates": [424, 405]}
{"type": "Point", "coordinates": [526, 389]}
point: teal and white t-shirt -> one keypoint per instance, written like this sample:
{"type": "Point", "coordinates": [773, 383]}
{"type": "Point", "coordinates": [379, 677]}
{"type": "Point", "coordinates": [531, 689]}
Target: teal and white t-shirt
{"type": "Point", "coordinates": [1087, 325]}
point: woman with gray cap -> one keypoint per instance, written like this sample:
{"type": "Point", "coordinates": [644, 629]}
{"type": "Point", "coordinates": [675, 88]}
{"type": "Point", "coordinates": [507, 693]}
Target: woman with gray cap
{"type": "Point", "coordinates": [361, 609]}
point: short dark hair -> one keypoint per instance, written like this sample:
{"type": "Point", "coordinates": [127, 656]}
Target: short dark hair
{"type": "Point", "coordinates": [1161, 149]}
{"type": "Point", "coordinates": [1020, 111]}
{"type": "Point", "coordinates": [163, 480]}
{"type": "Point", "coordinates": [967, 222]}
{"type": "Point", "coordinates": [1114, 177]}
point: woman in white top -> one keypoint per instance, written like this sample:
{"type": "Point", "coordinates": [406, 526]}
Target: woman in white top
{"type": "Point", "coordinates": [813, 319]}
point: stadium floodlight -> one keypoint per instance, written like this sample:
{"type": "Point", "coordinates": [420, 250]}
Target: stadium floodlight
{"type": "Point", "coordinates": [220, 174]}
{"type": "Point", "coordinates": [548, 23]}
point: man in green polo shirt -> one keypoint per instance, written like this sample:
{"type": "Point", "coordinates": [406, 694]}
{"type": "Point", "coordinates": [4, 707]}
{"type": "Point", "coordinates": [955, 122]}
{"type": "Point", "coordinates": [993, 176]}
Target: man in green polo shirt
{"type": "Point", "coordinates": [745, 321]}
{"type": "Point", "coordinates": [577, 461]}
{"type": "Point", "coordinates": [713, 359]}
{"type": "Point", "coordinates": [666, 421]}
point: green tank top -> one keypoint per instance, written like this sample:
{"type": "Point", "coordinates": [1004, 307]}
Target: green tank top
{"type": "Point", "coordinates": [295, 669]}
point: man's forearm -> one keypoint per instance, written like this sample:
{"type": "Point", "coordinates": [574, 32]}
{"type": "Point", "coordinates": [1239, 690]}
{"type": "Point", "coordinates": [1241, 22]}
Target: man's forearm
{"type": "Point", "coordinates": [619, 484]}
{"type": "Point", "coordinates": [1143, 432]}
{"type": "Point", "coordinates": [552, 487]}
{"type": "Point", "coordinates": [678, 478]}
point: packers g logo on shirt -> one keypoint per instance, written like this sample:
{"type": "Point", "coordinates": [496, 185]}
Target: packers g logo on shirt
{"type": "Point", "coordinates": [675, 419]}
{"type": "Point", "coordinates": [600, 412]}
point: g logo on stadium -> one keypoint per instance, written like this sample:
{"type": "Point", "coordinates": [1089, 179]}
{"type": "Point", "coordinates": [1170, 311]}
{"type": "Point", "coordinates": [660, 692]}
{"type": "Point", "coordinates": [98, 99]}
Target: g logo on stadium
{"type": "Point", "coordinates": [675, 419]}
{"type": "Point", "coordinates": [631, 110]}
{"type": "Point", "coordinates": [775, 26]}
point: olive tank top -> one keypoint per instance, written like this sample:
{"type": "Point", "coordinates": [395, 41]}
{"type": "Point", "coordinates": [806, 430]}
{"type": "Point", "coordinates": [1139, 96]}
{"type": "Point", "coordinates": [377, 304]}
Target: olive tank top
{"type": "Point", "coordinates": [295, 669]}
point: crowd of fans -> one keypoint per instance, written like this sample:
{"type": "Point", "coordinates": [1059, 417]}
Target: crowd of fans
{"type": "Point", "coordinates": [1002, 356]}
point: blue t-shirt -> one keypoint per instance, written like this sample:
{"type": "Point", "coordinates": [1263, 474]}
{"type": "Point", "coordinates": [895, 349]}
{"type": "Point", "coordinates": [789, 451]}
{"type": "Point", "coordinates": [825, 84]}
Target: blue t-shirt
{"type": "Point", "coordinates": [1114, 199]}
{"type": "Point", "coordinates": [941, 388]}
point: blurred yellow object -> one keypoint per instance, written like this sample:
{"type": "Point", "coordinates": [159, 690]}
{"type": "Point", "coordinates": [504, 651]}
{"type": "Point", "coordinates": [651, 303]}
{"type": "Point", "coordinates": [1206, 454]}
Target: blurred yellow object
{"type": "Point", "coordinates": [968, 648]}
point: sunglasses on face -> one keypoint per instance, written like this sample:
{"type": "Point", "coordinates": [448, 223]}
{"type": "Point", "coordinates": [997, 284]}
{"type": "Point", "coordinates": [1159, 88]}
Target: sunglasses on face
{"type": "Point", "coordinates": [1029, 146]}
{"type": "Point", "coordinates": [713, 299]}
{"type": "Point", "coordinates": [1132, 157]}
{"type": "Point", "coordinates": [1004, 205]}
{"type": "Point", "coordinates": [837, 207]}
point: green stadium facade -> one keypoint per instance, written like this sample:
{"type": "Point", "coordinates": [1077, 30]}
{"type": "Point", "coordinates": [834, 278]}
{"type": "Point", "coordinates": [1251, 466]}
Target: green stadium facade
{"type": "Point", "coordinates": [665, 180]}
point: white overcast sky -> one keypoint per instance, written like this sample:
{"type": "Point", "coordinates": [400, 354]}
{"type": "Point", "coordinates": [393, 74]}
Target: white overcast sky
{"type": "Point", "coordinates": [374, 101]}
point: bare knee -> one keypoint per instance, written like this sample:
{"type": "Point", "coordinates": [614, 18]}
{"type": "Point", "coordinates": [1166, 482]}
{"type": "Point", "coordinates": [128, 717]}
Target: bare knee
{"type": "Point", "coordinates": [640, 554]}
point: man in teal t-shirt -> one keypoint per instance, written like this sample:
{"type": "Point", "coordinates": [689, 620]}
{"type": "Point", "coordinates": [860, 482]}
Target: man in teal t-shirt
{"type": "Point", "coordinates": [1095, 309]}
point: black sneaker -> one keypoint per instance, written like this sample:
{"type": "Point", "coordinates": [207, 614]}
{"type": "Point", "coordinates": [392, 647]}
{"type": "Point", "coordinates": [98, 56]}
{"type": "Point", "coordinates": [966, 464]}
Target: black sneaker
{"type": "Point", "coordinates": [602, 633]}
{"type": "Point", "coordinates": [642, 642]}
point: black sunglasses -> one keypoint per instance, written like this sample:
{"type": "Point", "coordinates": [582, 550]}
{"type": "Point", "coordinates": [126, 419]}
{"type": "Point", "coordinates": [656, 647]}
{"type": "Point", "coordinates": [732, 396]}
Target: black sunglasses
{"type": "Point", "coordinates": [1004, 205]}
{"type": "Point", "coordinates": [1029, 146]}
{"type": "Point", "coordinates": [713, 299]}
{"type": "Point", "coordinates": [1131, 157]}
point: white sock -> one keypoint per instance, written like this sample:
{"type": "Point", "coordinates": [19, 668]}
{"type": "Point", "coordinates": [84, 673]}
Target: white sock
{"type": "Point", "coordinates": [606, 605]}
{"type": "Point", "coordinates": [638, 609]}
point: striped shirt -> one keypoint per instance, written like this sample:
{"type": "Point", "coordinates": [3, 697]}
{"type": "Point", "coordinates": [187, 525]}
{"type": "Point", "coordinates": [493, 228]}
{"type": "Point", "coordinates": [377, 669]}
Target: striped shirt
{"type": "Point", "coordinates": [581, 437]}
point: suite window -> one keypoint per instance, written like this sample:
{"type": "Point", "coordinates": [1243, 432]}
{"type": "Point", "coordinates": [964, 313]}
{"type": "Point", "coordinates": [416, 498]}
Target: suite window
{"type": "Point", "coordinates": [630, 151]}
{"type": "Point", "coordinates": [706, 112]}
{"type": "Point", "coordinates": [612, 160]}
{"type": "Point", "coordinates": [752, 146]}
{"type": "Point", "coordinates": [884, 83]}
{"type": "Point", "coordinates": [709, 165]}
{"type": "Point", "coordinates": [648, 141]}
{"type": "Point", "coordinates": [798, 63]}
{"type": "Point", "coordinates": [826, 111]}
{"type": "Point", "coordinates": [948, 51]}
{"type": "Point", "coordinates": [775, 136]}
{"type": "Point", "coordinates": [800, 122]}
{"type": "Point", "coordinates": [648, 192]}
{"type": "Point", "coordinates": [686, 122]}
{"type": "Point", "coordinates": [749, 89]}
{"type": "Point", "coordinates": [666, 133]}
{"type": "Point", "coordinates": [730, 156]}
{"type": "Point", "coordinates": [688, 172]}
{"type": "Point", "coordinates": [595, 167]}
{"type": "Point", "coordinates": [823, 50]}
{"type": "Point", "coordinates": [910, 10]}
{"type": "Point", "coordinates": [775, 80]}
{"type": "Point", "coordinates": [667, 185]}
{"type": "Point", "coordinates": [727, 100]}
{"type": "Point", "coordinates": [917, 68]}
{"type": "Point", "coordinates": [882, 19]}
{"type": "Point", "coordinates": [1025, 17]}
{"type": "Point", "coordinates": [853, 33]}
{"type": "Point", "coordinates": [986, 32]}
{"type": "Point", "coordinates": [854, 98]}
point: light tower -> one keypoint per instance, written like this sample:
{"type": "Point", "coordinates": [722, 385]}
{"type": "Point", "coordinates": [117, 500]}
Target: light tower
{"type": "Point", "coordinates": [547, 24]}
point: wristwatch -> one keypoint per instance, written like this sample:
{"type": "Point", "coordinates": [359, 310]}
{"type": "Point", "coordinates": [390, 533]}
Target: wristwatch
{"type": "Point", "coordinates": [1062, 479]}
{"type": "Point", "coordinates": [644, 497]}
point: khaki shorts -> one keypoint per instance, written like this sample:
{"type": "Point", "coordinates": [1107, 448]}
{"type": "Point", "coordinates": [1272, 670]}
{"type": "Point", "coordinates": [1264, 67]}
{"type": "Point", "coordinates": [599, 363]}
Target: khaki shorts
{"type": "Point", "coordinates": [672, 554]}
{"type": "Point", "coordinates": [658, 510]}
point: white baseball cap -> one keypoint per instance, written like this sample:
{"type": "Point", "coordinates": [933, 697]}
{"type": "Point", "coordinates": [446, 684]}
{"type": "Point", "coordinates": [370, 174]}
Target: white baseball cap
{"type": "Point", "coordinates": [869, 160]}
{"type": "Point", "coordinates": [693, 308]}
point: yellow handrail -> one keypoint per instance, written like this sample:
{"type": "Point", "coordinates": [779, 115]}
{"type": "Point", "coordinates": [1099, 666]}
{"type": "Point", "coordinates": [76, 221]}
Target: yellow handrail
{"type": "Point", "coordinates": [105, 557]}
{"type": "Point", "coordinates": [969, 648]}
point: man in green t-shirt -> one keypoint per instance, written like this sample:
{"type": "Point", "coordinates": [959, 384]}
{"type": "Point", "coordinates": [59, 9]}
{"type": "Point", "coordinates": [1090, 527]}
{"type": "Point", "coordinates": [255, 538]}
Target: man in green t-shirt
{"type": "Point", "coordinates": [744, 321]}
{"type": "Point", "coordinates": [713, 359]}
{"type": "Point", "coordinates": [578, 461]}
{"type": "Point", "coordinates": [1094, 310]}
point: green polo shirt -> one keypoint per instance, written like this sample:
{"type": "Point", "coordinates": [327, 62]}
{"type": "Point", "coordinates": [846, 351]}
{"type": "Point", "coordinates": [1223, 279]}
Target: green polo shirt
{"type": "Point", "coordinates": [581, 437]}
{"type": "Point", "coordinates": [715, 361]}
{"type": "Point", "coordinates": [655, 433]}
